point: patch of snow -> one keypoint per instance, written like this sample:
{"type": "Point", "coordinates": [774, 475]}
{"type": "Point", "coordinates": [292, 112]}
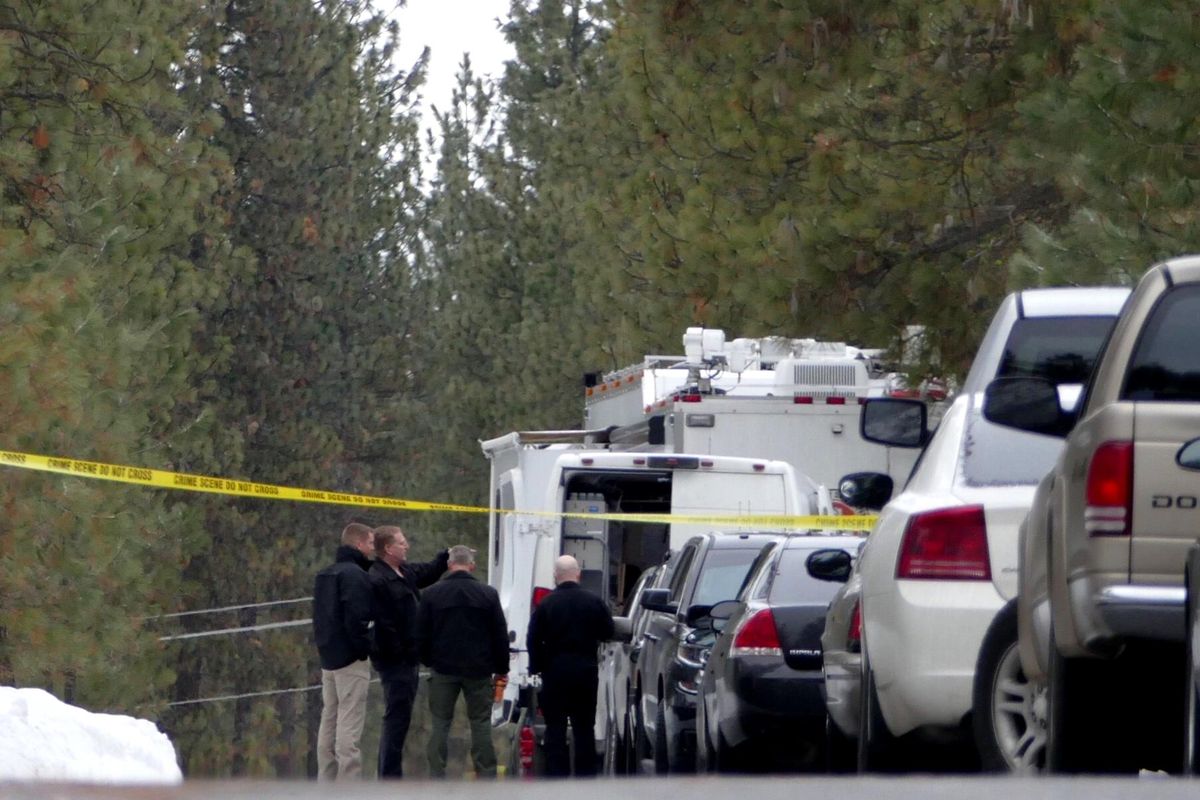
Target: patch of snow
{"type": "Point", "coordinates": [44, 739]}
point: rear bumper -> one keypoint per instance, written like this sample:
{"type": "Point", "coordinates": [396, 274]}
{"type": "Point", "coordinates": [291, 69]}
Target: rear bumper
{"type": "Point", "coordinates": [922, 642]}
{"type": "Point", "coordinates": [1128, 611]}
{"type": "Point", "coordinates": [843, 690]}
{"type": "Point", "coordinates": [765, 697]}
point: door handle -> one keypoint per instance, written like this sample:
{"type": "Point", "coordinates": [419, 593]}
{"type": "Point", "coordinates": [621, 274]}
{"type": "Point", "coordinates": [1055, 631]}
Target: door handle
{"type": "Point", "coordinates": [652, 637]}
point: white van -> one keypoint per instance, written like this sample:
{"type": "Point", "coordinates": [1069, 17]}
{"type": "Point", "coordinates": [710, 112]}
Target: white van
{"type": "Point", "coordinates": [538, 476]}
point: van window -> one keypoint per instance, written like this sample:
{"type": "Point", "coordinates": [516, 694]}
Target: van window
{"type": "Point", "coordinates": [504, 501]}
{"type": "Point", "coordinates": [1166, 362]}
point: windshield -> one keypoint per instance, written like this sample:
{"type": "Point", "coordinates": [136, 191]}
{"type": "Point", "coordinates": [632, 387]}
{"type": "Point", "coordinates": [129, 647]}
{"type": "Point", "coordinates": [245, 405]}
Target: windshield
{"type": "Point", "coordinates": [722, 575]}
{"type": "Point", "coordinates": [1059, 349]}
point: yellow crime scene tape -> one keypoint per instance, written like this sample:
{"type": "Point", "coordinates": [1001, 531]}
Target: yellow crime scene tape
{"type": "Point", "coordinates": [182, 481]}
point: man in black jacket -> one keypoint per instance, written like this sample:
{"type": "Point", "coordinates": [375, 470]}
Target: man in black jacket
{"type": "Point", "coordinates": [564, 637]}
{"type": "Point", "coordinates": [342, 617]}
{"type": "Point", "coordinates": [463, 638]}
{"type": "Point", "coordinates": [395, 586]}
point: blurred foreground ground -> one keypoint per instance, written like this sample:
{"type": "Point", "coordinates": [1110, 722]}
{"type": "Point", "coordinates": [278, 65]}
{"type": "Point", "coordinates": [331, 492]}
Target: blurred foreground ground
{"type": "Point", "coordinates": [898, 788]}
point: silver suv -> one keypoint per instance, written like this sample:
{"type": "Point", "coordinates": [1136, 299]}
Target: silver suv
{"type": "Point", "coordinates": [1101, 598]}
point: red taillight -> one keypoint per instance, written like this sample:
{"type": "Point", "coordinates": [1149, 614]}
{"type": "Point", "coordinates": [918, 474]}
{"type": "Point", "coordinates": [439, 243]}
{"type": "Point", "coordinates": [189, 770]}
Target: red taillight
{"type": "Point", "coordinates": [757, 636]}
{"type": "Point", "coordinates": [854, 635]}
{"type": "Point", "coordinates": [539, 594]}
{"type": "Point", "coordinates": [835, 401]}
{"type": "Point", "coordinates": [525, 748]}
{"type": "Point", "coordinates": [802, 400]}
{"type": "Point", "coordinates": [1109, 490]}
{"type": "Point", "coordinates": [690, 398]}
{"type": "Point", "coordinates": [947, 544]}
{"type": "Point", "coordinates": [843, 509]}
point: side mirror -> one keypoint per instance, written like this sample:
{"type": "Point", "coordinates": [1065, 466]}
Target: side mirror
{"type": "Point", "coordinates": [622, 629]}
{"type": "Point", "coordinates": [830, 565]}
{"type": "Point", "coordinates": [1027, 404]}
{"type": "Point", "coordinates": [895, 422]}
{"type": "Point", "coordinates": [697, 614]}
{"type": "Point", "coordinates": [721, 613]}
{"type": "Point", "coordinates": [659, 600]}
{"type": "Point", "coordinates": [866, 489]}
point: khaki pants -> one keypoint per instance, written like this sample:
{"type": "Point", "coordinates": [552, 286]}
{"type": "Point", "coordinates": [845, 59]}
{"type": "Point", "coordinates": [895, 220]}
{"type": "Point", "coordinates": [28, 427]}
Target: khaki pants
{"type": "Point", "coordinates": [344, 712]}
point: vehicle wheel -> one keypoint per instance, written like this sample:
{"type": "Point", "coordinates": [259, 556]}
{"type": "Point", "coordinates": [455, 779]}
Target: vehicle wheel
{"type": "Point", "coordinates": [613, 757]}
{"type": "Point", "coordinates": [840, 752]}
{"type": "Point", "coordinates": [628, 757]}
{"type": "Point", "coordinates": [662, 759]}
{"type": "Point", "coordinates": [1191, 634]}
{"type": "Point", "coordinates": [874, 739]}
{"type": "Point", "coordinates": [641, 742]}
{"type": "Point", "coordinates": [705, 757]}
{"type": "Point", "coordinates": [1009, 710]}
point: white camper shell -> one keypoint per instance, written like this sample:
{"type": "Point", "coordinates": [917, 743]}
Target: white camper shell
{"type": "Point", "coordinates": [535, 476]}
{"type": "Point", "coordinates": [793, 400]}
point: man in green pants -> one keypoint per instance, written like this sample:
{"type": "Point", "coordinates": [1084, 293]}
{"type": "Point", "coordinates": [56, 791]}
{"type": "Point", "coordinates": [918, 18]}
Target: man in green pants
{"type": "Point", "coordinates": [463, 638]}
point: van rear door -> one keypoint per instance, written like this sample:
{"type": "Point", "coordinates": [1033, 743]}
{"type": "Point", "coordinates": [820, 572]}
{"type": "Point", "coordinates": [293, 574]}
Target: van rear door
{"type": "Point", "coordinates": [713, 493]}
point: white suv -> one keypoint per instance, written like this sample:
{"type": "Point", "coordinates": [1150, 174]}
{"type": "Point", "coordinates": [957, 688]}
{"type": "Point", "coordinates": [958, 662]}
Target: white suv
{"type": "Point", "coordinates": [942, 559]}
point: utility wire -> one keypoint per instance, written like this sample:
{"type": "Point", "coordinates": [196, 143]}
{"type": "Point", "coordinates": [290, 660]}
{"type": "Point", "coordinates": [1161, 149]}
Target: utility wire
{"type": "Point", "coordinates": [229, 608]}
{"type": "Point", "coordinates": [246, 629]}
{"type": "Point", "coordinates": [223, 698]}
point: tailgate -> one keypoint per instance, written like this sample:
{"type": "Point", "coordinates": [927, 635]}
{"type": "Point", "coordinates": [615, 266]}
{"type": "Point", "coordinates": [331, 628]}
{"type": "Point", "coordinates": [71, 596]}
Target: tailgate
{"type": "Point", "coordinates": [1166, 509]}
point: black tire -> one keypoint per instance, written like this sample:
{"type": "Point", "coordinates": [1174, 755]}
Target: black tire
{"type": "Point", "coordinates": [1191, 633]}
{"type": "Point", "coordinates": [875, 741]}
{"type": "Point", "coordinates": [1009, 724]}
{"type": "Point", "coordinates": [641, 742]}
{"type": "Point", "coordinates": [628, 760]}
{"type": "Point", "coordinates": [614, 751]}
{"type": "Point", "coordinates": [706, 757]}
{"type": "Point", "coordinates": [662, 757]}
{"type": "Point", "coordinates": [840, 750]}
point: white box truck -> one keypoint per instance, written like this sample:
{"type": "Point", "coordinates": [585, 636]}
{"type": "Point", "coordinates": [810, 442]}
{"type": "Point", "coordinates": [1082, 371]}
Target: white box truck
{"type": "Point", "coordinates": [793, 400]}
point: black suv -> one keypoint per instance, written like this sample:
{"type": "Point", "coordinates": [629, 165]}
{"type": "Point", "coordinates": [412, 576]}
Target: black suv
{"type": "Point", "coordinates": [707, 570]}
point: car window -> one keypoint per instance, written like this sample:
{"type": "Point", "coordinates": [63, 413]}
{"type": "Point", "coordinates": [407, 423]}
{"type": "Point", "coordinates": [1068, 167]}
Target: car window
{"type": "Point", "coordinates": [1166, 361]}
{"type": "Point", "coordinates": [792, 585]}
{"type": "Point", "coordinates": [1059, 349]}
{"type": "Point", "coordinates": [758, 576]}
{"type": "Point", "coordinates": [680, 571]}
{"type": "Point", "coordinates": [722, 575]}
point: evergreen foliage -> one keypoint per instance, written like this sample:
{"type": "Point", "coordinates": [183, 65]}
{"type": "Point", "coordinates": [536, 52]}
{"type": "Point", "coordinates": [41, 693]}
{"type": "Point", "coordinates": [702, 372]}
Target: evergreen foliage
{"type": "Point", "coordinates": [107, 190]}
{"type": "Point", "coordinates": [218, 255]}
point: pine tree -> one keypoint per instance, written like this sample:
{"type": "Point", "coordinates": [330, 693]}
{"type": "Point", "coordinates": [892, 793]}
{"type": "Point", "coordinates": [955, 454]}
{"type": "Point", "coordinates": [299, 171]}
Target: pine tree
{"type": "Point", "coordinates": [108, 191]}
{"type": "Point", "coordinates": [322, 141]}
{"type": "Point", "coordinates": [1114, 127]}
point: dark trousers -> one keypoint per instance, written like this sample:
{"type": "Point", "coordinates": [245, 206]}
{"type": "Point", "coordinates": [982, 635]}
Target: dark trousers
{"type": "Point", "coordinates": [443, 695]}
{"type": "Point", "coordinates": [399, 694]}
{"type": "Point", "coordinates": [568, 696]}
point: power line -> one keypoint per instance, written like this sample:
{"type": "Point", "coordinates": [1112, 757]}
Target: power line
{"type": "Point", "coordinates": [229, 608]}
{"type": "Point", "coordinates": [226, 697]}
{"type": "Point", "coordinates": [245, 629]}
{"type": "Point", "coordinates": [242, 696]}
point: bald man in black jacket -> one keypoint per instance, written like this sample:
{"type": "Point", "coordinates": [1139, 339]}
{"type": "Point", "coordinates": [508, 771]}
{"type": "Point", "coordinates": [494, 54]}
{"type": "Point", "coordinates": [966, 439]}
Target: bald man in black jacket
{"type": "Point", "coordinates": [564, 638]}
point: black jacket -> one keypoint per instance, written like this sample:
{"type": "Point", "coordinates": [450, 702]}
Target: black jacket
{"type": "Point", "coordinates": [568, 625]}
{"type": "Point", "coordinates": [461, 629]}
{"type": "Point", "coordinates": [395, 596]}
{"type": "Point", "coordinates": [342, 610]}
